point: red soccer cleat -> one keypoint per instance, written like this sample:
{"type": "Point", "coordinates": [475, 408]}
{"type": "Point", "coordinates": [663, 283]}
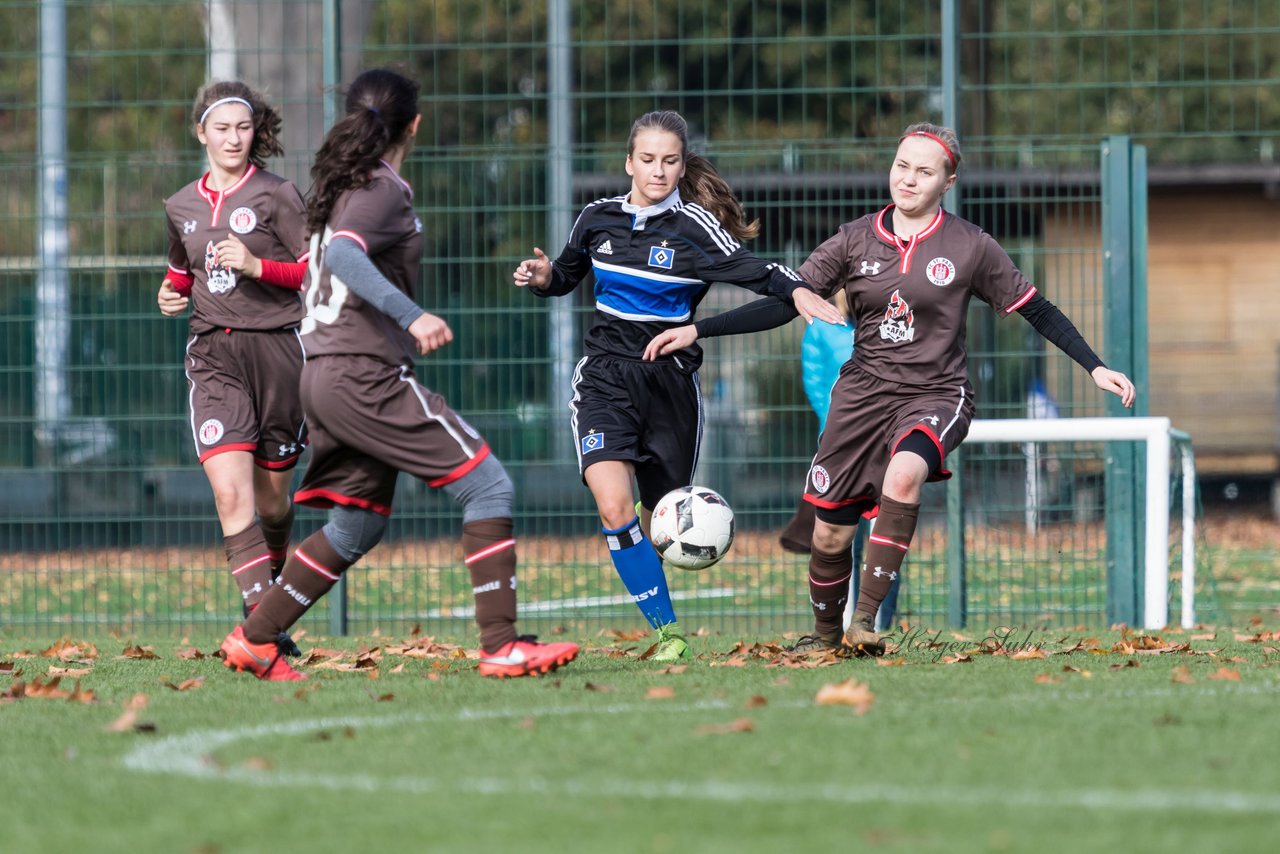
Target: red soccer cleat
{"type": "Point", "coordinates": [524, 656]}
{"type": "Point", "coordinates": [261, 659]}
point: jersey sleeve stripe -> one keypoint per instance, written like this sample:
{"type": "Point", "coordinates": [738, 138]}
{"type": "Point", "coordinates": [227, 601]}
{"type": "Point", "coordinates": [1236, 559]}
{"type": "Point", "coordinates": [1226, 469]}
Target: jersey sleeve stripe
{"type": "Point", "coordinates": [1021, 301]}
{"type": "Point", "coordinates": [712, 226]}
{"type": "Point", "coordinates": [351, 235]}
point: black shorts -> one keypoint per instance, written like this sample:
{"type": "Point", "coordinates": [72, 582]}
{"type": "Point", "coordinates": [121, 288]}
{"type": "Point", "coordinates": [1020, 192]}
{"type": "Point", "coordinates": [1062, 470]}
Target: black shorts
{"type": "Point", "coordinates": [646, 413]}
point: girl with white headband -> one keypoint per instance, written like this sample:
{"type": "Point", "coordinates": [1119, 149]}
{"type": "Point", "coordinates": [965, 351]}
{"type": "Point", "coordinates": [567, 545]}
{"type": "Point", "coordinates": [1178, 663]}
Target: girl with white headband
{"type": "Point", "coordinates": [903, 401]}
{"type": "Point", "coordinates": [237, 253]}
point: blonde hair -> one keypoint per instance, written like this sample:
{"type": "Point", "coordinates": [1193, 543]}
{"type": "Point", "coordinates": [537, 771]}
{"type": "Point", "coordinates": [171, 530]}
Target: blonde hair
{"type": "Point", "coordinates": [944, 136]}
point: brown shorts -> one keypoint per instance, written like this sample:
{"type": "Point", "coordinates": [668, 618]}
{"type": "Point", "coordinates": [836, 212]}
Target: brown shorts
{"type": "Point", "coordinates": [244, 395]}
{"type": "Point", "coordinates": [869, 417]}
{"type": "Point", "coordinates": [368, 421]}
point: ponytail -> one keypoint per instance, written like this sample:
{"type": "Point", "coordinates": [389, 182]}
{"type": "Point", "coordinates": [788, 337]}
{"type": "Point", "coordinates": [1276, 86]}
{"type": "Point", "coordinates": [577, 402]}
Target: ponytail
{"type": "Point", "coordinates": [381, 105]}
{"type": "Point", "coordinates": [703, 186]}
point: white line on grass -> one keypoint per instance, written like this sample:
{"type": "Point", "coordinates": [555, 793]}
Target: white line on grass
{"type": "Point", "coordinates": [186, 755]}
{"type": "Point", "coordinates": [551, 605]}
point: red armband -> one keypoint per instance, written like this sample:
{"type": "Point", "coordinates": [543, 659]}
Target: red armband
{"type": "Point", "coordinates": [181, 281]}
{"type": "Point", "coordinates": [284, 274]}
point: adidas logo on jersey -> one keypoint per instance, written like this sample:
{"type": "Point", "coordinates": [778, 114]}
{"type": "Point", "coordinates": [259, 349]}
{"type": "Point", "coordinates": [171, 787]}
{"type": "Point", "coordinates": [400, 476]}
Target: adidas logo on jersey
{"type": "Point", "coordinates": [605, 248]}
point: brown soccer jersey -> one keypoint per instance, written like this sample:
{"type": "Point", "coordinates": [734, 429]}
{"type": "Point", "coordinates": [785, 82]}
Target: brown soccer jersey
{"type": "Point", "coordinates": [910, 297]}
{"type": "Point", "coordinates": [380, 218]}
{"type": "Point", "coordinates": [266, 213]}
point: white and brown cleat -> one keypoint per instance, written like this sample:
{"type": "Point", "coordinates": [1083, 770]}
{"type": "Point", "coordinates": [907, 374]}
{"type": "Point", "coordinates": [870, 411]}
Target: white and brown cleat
{"type": "Point", "coordinates": [861, 641]}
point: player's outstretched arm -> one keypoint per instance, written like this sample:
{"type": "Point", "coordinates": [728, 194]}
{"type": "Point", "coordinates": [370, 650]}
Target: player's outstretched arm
{"type": "Point", "coordinates": [1116, 383]}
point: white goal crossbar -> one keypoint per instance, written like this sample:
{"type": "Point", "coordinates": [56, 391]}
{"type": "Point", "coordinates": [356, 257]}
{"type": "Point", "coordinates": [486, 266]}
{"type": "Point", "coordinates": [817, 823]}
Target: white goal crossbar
{"type": "Point", "coordinates": [1158, 434]}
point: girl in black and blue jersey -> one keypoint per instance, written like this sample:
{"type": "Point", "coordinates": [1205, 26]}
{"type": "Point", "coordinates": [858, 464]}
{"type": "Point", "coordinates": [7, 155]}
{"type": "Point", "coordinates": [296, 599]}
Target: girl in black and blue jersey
{"type": "Point", "coordinates": [653, 254]}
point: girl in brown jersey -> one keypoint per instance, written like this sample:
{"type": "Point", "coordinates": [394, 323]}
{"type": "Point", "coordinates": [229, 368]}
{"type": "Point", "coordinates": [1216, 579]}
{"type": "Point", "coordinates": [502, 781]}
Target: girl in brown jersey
{"type": "Point", "coordinates": [903, 401]}
{"type": "Point", "coordinates": [236, 246]}
{"type": "Point", "coordinates": [369, 417]}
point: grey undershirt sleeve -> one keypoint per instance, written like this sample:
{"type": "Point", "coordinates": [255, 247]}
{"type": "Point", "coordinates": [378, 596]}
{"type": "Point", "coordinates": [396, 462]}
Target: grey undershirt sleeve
{"type": "Point", "coordinates": [349, 263]}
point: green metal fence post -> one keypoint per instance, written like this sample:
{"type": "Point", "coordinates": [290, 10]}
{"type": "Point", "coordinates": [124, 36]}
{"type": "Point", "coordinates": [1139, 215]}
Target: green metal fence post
{"type": "Point", "coordinates": [331, 50]}
{"type": "Point", "coordinates": [1124, 267]}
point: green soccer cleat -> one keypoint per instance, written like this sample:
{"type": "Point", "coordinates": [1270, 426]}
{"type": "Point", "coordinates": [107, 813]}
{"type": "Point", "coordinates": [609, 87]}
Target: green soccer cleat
{"type": "Point", "coordinates": [671, 645]}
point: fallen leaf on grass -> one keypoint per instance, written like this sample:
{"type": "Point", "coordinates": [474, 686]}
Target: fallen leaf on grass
{"type": "Point", "coordinates": [1028, 654]}
{"type": "Point", "coordinates": [891, 662]}
{"type": "Point", "coordinates": [6, 666]}
{"type": "Point", "coordinates": [1128, 664]}
{"type": "Point", "coordinates": [399, 668]}
{"type": "Point", "coordinates": [958, 658]}
{"type": "Point", "coordinates": [1226, 673]}
{"type": "Point", "coordinates": [190, 654]}
{"type": "Point", "coordinates": [128, 721]}
{"type": "Point", "coordinates": [850, 692]}
{"type": "Point", "coordinates": [660, 692]}
{"type": "Point", "coordinates": [592, 686]}
{"type": "Point", "coordinates": [1048, 679]}
{"type": "Point", "coordinates": [257, 763]}
{"type": "Point", "coordinates": [756, 702]}
{"type": "Point", "coordinates": [382, 698]}
{"type": "Point", "coordinates": [627, 635]}
{"type": "Point", "coordinates": [73, 672]}
{"type": "Point", "coordinates": [675, 668]}
{"type": "Point", "coordinates": [71, 651]}
{"type": "Point", "coordinates": [185, 684]}
{"type": "Point", "coordinates": [140, 652]}
{"type": "Point", "coordinates": [1084, 674]}
{"type": "Point", "coordinates": [1181, 675]}
{"type": "Point", "coordinates": [740, 725]}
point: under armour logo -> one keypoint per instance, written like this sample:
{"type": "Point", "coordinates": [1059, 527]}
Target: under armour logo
{"type": "Point", "coordinates": [870, 268]}
{"type": "Point", "coordinates": [189, 227]}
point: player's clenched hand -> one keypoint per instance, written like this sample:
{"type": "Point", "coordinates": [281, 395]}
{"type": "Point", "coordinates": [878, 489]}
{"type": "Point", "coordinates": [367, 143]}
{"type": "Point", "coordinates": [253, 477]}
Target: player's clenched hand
{"type": "Point", "coordinates": [1116, 383]}
{"type": "Point", "coordinates": [670, 340]}
{"type": "Point", "coordinates": [430, 332]}
{"type": "Point", "coordinates": [170, 301]}
{"type": "Point", "coordinates": [812, 306]}
{"type": "Point", "coordinates": [233, 255]}
{"type": "Point", "coordinates": [534, 272]}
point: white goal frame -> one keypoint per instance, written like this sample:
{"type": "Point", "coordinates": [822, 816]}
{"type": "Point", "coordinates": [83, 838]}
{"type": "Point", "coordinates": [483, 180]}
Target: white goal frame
{"type": "Point", "coordinates": [1159, 436]}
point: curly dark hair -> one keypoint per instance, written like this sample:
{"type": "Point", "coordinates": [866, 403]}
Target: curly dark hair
{"type": "Point", "coordinates": [701, 183]}
{"type": "Point", "coordinates": [266, 121]}
{"type": "Point", "coordinates": [381, 105]}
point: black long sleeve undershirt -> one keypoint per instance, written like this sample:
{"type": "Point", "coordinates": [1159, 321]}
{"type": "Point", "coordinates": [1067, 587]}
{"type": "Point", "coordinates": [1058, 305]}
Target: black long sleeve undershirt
{"type": "Point", "coordinates": [755, 316]}
{"type": "Point", "coordinates": [1050, 322]}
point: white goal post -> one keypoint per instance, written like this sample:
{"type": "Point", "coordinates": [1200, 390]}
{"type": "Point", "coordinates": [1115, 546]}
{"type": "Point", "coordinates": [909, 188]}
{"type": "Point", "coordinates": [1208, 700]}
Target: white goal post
{"type": "Point", "coordinates": [1158, 435]}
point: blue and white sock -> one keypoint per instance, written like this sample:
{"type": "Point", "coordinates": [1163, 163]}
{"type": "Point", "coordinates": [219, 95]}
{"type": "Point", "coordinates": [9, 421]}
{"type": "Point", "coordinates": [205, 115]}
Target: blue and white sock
{"type": "Point", "coordinates": [640, 569]}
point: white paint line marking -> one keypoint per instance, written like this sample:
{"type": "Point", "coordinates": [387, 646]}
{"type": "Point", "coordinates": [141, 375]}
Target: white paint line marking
{"type": "Point", "coordinates": [552, 605]}
{"type": "Point", "coordinates": [185, 755]}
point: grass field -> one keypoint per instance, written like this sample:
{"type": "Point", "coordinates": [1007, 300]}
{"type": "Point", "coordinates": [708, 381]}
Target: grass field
{"type": "Point", "coordinates": [1014, 740]}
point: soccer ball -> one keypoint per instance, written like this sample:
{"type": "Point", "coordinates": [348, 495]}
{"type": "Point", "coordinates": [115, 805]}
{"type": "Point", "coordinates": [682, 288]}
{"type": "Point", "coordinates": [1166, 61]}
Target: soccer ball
{"type": "Point", "coordinates": [692, 527]}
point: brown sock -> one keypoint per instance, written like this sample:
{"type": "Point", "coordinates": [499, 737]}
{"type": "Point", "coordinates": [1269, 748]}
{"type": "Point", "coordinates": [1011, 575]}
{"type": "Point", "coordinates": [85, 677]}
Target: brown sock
{"type": "Point", "coordinates": [249, 562]}
{"type": "Point", "coordinates": [277, 533]}
{"type": "Point", "coordinates": [490, 553]}
{"type": "Point", "coordinates": [310, 571]}
{"type": "Point", "coordinates": [886, 550]}
{"type": "Point", "coordinates": [829, 589]}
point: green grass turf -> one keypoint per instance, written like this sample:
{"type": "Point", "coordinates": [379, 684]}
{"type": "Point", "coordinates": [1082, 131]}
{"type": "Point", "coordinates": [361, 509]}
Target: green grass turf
{"type": "Point", "coordinates": [1077, 751]}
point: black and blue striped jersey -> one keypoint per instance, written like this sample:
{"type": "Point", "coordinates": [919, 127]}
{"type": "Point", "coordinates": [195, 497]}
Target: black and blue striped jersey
{"type": "Point", "coordinates": [652, 267]}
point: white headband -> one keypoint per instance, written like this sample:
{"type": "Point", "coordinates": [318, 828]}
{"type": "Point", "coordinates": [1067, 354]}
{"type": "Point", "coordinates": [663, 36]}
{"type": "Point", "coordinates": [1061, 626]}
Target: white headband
{"type": "Point", "coordinates": [220, 102]}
